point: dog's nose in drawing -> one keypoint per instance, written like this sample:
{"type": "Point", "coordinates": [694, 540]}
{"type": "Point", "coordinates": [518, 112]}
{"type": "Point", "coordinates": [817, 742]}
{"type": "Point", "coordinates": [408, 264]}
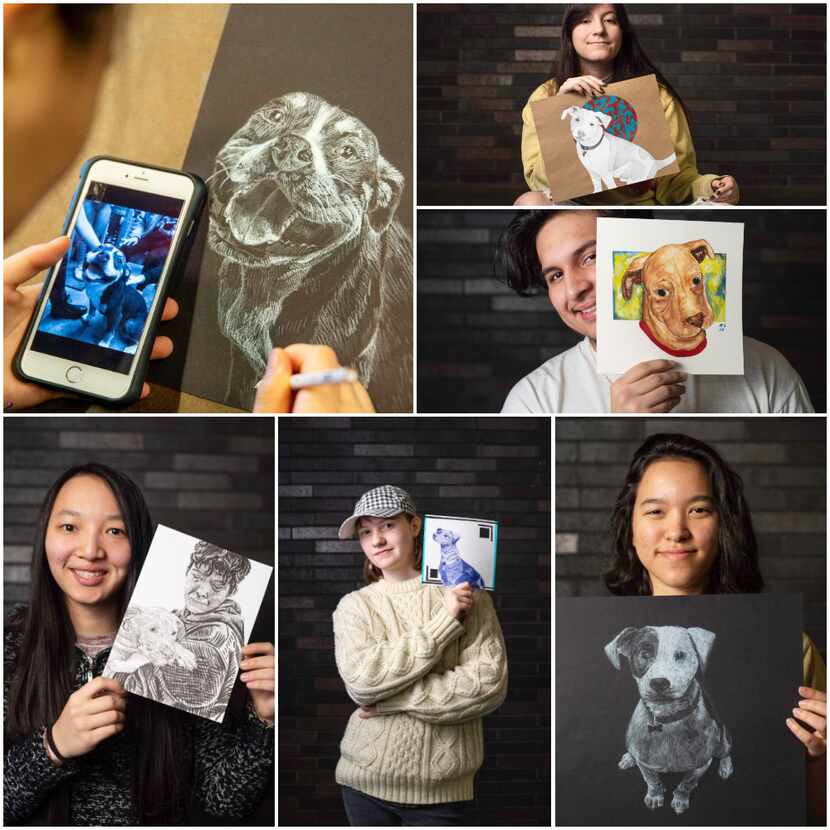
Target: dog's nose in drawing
{"type": "Point", "coordinates": [660, 685]}
{"type": "Point", "coordinates": [695, 320]}
{"type": "Point", "coordinates": [293, 153]}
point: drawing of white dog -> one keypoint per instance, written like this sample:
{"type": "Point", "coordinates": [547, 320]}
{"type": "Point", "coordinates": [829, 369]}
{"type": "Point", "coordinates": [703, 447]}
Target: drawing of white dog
{"type": "Point", "coordinates": [607, 157]}
{"type": "Point", "coordinates": [149, 635]}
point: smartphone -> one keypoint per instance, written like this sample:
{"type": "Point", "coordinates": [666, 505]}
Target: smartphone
{"type": "Point", "coordinates": [93, 327]}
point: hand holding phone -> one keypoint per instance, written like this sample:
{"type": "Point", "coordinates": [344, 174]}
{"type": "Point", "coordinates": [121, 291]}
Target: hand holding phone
{"type": "Point", "coordinates": [92, 329]}
{"type": "Point", "coordinates": [19, 302]}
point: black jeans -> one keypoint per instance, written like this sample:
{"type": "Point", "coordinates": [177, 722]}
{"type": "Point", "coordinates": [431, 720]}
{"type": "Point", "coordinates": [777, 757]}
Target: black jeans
{"type": "Point", "coordinates": [366, 811]}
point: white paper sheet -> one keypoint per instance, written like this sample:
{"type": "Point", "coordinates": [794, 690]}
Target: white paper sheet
{"type": "Point", "coordinates": [678, 303]}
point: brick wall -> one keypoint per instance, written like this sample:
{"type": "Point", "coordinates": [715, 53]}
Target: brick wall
{"type": "Point", "coordinates": [782, 462]}
{"type": "Point", "coordinates": [476, 338]}
{"type": "Point", "coordinates": [751, 75]}
{"type": "Point", "coordinates": [483, 467]}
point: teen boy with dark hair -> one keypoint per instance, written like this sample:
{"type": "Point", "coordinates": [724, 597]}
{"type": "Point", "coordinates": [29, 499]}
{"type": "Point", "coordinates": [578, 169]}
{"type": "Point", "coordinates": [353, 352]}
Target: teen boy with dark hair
{"type": "Point", "coordinates": [555, 251]}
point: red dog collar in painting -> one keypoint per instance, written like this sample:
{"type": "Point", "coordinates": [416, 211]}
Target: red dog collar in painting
{"type": "Point", "coordinates": [673, 352]}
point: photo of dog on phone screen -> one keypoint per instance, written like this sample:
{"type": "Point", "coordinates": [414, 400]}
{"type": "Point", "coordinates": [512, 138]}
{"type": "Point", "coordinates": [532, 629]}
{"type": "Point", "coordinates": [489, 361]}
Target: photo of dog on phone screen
{"type": "Point", "coordinates": [106, 284]}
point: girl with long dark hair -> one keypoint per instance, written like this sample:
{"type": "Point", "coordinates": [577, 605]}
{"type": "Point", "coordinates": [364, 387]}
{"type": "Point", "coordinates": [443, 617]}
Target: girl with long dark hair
{"type": "Point", "coordinates": [681, 526]}
{"type": "Point", "coordinates": [600, 46]}
{"type": "Point", "coordinates": [78, 749]}
{"type": "Point", "coordinates": [424, 664]}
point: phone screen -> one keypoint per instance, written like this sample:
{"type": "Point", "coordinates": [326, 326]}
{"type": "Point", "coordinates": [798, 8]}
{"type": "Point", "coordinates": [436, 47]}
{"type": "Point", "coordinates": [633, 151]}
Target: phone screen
{"type": "Point", "coordinates": [104, 289]}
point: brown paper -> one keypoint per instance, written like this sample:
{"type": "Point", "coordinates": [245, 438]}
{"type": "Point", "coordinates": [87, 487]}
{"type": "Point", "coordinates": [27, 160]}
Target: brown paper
{"type": "Point", "coordinates": [604, 154]}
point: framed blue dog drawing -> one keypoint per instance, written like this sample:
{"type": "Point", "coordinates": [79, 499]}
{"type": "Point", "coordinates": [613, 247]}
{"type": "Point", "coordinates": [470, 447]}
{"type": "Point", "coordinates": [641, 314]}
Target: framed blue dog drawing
{"type": "Point", "coordinates": [674, 708]}
{"type": "Point", "coordinates": [308, 233]}
{"type": "Point", "coordinates": [457, 550]}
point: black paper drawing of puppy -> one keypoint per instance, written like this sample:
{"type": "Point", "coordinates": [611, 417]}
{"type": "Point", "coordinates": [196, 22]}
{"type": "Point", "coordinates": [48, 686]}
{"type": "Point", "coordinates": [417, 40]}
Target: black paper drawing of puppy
{"type": "Point", "coordinates": [302, 217]}
{"type": "Point", "coordinates": [675, 727]}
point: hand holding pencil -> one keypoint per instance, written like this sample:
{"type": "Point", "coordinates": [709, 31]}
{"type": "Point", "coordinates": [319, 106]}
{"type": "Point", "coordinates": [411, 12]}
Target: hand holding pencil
{"type": "Point", "coordinates": [302, 378]}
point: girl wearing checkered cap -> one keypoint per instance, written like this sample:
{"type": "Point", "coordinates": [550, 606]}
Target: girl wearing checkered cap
{"type": "Point", "coordinates": [424, 664]}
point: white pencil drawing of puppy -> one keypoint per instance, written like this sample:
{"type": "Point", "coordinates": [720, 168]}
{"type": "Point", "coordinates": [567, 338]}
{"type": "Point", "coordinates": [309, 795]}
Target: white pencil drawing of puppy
{"type": "Point", "coordinates": [149, 635]}
{"type": "Point", "coordinates": [674, 728]}
{"type": "Point", "coordinates": [607, 157]}
{"type": "Point", "coordinates": [302, 214]}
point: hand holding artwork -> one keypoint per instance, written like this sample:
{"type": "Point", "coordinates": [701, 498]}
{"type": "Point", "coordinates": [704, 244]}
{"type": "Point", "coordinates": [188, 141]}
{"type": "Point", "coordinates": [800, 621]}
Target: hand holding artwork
{"type": "Point", "coordinates": [18, 306]}
{"type": "Point", "coordinates": [650, 386]}
{"type": "Point", "coordinates": [274, 393]}
{"type": "Point", "coordinates": [459, 599]}
{"type": "Point", "coordinates": [811, 710]}
{"type": "Point", "coordinates": [586, 85]}
{"type": "Point", "coordinates": [725, 189]}
{"type": "Point", "coordinates": [92, 714]}
{"type": "Point", "coordinates": [258, 675]}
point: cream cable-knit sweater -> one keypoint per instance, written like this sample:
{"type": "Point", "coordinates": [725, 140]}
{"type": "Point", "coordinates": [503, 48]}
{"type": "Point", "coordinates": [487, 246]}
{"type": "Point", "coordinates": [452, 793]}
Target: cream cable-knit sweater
{"type": "Point", "coordinates": [432, 677]}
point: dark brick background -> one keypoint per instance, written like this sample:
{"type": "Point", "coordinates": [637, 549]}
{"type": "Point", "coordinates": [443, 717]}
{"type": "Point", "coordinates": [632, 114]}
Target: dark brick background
{"type": "Point", "coordinates": [751, 75]}
{"type": "Point", "coordinates": [209, 477]}
{"type": "Point", "coordinates": [782, 461]}
{"type": "Point", "coordinates": [483, 467]}
{"type": "Point", "coordinates": [476, 338]}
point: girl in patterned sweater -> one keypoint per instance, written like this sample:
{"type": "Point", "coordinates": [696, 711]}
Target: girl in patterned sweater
{"type": "Point", "coordinates": [424, 664]}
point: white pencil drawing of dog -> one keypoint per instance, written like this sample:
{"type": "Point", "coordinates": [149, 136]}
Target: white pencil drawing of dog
{"type": "Point", "coordinates": [303, 215]}
{"type": "Point", "coordinates": [607, 157]}
{"type": "Point", "coordinates": [453, 570]}
{"type": "Point", "coordinates": [149, 635]}
{"type": "Point", "coordinates": [674, 728]}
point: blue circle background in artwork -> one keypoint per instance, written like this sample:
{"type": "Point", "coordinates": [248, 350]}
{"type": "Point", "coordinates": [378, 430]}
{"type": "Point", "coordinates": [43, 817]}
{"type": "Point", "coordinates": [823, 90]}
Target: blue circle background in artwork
{"type": "Point", "coordinates": [623, 115]}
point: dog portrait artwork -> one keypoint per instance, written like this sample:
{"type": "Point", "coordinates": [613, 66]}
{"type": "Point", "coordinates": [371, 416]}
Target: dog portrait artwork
{"type": "Point", "coordinates": [670, 709]}
{"type": "Point", "coordinates": [303, 220]}
{"type": "Point", "coordinates": [669, 289]}
{"type": "Point", "coordinates": [619, 138]}
{"type": "Point", "coordinates": [453, 570]}
{"type": "Point", "coordinates": [675, 308]}
{"type": "Point", "coordinates": [675, 727]}
{"type": "Point", "coordinates": [610, 160]}
{"type": "Point", "coordinates": [458, 549]}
